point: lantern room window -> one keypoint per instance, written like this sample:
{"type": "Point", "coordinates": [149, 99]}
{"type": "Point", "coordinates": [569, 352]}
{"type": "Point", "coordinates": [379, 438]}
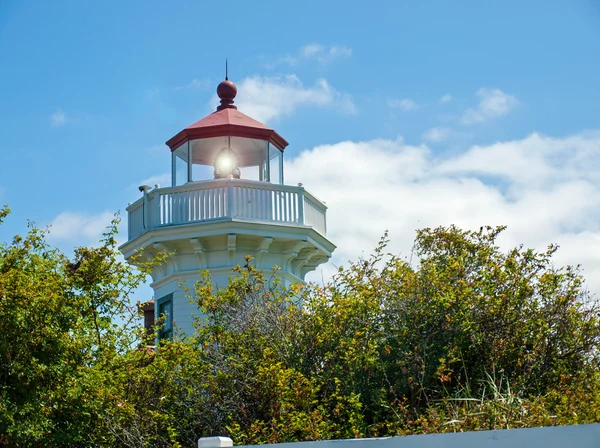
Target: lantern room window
{"type": "Point", "coordinates": [227, 157]}
{"type": "Point", "coordinates": [180, 166]}
{"type": "Point", "coordinates": [275, 165]}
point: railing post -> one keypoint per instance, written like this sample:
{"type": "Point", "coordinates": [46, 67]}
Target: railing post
{"type": "Point", "coordinates": [301, 207]}
{"type": "Point", "coordinates": [154, 209]}
{"type": "Point", "coordinates": [146, 212]}
{"type": "Point", "coordinates": [215, 442]}
{"type": "Point", "coordinates": [230, 188]}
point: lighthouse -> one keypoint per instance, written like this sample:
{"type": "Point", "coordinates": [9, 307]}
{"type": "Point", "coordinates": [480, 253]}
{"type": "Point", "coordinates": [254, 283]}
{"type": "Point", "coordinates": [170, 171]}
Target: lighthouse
{"type": "Point", "coordinates": [227, 200]}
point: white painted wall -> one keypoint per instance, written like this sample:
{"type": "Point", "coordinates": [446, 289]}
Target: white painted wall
{"type": "Point", "coordinates": [579, 436]}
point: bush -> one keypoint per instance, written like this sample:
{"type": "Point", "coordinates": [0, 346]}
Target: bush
{"type": "Point", "coordinates": [468, 337]}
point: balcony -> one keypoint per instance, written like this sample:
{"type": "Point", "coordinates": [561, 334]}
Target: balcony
{"type": "Point", "coordinates": [226, 199]}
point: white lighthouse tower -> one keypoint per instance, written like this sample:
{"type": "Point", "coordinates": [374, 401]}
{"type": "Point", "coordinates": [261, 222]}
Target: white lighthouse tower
{"type": "Point", "coordinates": [227, 200]}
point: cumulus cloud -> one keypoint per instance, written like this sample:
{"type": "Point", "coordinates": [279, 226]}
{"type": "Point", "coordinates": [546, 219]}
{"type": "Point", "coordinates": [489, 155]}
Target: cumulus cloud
{"type": "Point", "coordinates": [493, 103]}
{"type": "Point", "coordinates": [323, 54]}
{"type": "Point", "coordinates": [547, 190]}
{"type": "Point", "coordinates": [80, 228]}
{"type": "Point", "coordinates": [446, 98]}
{"type": "Point", "coordinates": [267, 98]}
{"type": "Point", "coordinates": [58, 118]}
{"type": "Point", "coordinates": [437, 135]}
{"type": "Point", "coordinates": [404, 104]}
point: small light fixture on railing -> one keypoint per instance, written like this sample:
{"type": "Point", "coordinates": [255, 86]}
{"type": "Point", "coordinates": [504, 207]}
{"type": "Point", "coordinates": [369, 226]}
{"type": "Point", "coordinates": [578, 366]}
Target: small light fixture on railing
{"type": "Point", "coordinates": [144, 189]}
{"type": "Point", "coordinates": [226, 165]}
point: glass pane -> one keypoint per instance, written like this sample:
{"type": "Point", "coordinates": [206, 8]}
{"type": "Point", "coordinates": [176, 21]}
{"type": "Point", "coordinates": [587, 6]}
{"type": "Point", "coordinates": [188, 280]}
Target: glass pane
{"type": "Point", "coordinates": [181, 165]}
{"type": "Point", "coordinates": [250, 173]}
{"type": "Point", "coordinates": [202, 172]}
{"type": "Point", "coordinates": [275, 165]}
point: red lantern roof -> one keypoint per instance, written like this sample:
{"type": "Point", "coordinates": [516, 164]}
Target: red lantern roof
{"type": "Point", "coordinates": [227, 121]}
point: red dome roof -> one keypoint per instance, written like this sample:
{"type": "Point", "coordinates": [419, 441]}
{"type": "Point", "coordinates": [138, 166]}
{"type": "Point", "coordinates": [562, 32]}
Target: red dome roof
{"type": "Point", "coordinates": [227, 121]}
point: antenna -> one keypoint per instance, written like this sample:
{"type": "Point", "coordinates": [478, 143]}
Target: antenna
{"type": "Point", "coordinates": [226, 70]}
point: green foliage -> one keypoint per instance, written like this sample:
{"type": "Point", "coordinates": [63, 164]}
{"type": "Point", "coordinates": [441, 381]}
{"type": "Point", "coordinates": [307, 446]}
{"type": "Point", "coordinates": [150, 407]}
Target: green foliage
{"type": "Point", "coordinates": [59, 338]}
{"type": "Point", "coordinates": [466, 337]}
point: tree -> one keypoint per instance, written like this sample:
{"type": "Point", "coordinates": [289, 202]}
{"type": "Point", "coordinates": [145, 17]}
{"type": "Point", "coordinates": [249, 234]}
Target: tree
{"type": "Point", "coordinates": [465, 337]}
{"type": "Point", "coordinates": [63, 323]}
{"type": "Point", "coordinates": [387, 340]}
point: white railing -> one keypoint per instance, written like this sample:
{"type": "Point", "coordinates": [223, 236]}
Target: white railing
{"type": "Point", "coordinates": [136, 222]}
{"type": "Point", "coordinates": [226, 199]}
{"type": "Point", "coordinates": [314, 213]}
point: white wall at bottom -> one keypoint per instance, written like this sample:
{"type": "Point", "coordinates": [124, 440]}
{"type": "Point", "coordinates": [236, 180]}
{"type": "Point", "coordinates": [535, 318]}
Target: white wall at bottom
{"type": "Point", "coordinates": [578, 436]}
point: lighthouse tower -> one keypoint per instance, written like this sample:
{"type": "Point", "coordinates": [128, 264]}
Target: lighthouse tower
{"type": "Point", "coordinates": [227, 200]}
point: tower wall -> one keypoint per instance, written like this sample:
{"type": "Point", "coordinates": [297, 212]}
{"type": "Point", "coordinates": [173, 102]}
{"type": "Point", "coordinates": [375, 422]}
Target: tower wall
{"type": "Point", "coordinates": [217, 248]}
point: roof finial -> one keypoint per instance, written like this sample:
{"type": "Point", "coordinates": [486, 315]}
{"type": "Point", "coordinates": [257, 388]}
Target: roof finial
{"type": "Point", "coordinates": [226, 91]}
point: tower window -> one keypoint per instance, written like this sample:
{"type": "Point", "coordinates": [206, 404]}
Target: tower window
{"type": "Point", "coordinates": [165, 314]}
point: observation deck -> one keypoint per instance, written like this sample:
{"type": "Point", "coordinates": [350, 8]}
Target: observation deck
{"type": "Point", "coordinates": [217, 200]}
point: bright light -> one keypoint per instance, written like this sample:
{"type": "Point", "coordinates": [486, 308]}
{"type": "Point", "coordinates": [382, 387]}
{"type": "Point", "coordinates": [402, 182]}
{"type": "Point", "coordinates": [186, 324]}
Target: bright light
{"type": "Point", "coordinates": [226, 165]}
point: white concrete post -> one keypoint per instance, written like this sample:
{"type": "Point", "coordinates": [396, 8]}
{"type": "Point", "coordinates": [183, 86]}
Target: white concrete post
{"type": "Point", "coordinates": [215, 442]}
{"type": "Point", "coordinates": [301, 206]}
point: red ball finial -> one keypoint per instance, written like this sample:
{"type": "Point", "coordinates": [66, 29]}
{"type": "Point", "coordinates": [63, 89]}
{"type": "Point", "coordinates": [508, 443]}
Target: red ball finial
{"type": "Point", "coordinates": [227, 92]}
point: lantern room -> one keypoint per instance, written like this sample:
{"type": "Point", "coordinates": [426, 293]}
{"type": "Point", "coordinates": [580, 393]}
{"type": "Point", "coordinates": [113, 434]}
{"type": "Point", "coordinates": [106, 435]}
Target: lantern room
{"type": "Point", "coordinates": [227, 144]}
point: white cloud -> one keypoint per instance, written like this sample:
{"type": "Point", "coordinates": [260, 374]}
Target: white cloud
{"type": "Point", "coordinates": [446, 98]}
{"type": "Point", "coordinates": [196, 83]}
{"type": "Point", "coordinates": [547, 190]}
{"type": "Point", "coordinates": [267, 98]}
{"type": "Point", "coordinates": [493, 103]}
{"type": "Point", "coordinates": [80, 228]}
{"type": "Point", "coordinates": [132, 193]}
{"type": "Point", "coordinates": [436, 135]}
{"type": "Point", "coordinates": [58, 118]}
{"type": "Point", "coordinates": [405, 104]}
{"type": "Point", "coordinates": [323, 54]}
{"type": "Point", "coordinates": [164, 180]}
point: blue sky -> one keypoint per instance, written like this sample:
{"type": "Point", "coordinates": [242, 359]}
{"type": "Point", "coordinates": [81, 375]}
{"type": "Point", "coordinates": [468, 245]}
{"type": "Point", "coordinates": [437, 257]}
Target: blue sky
{"type": "Point", "coordinates": [490, 109]}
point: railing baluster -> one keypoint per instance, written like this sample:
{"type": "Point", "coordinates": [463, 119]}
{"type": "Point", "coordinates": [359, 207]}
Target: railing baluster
{"type": "Point", "coordinates": [173, 215]}
{"type": "Point", "coordinates": [165, 203]}
{"type": "Point", "coordinates": [216, 199]}
{"type": "Point", "coordinates": [193, 195]}
{"type": "Point", "coordinates": [280, 197]}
